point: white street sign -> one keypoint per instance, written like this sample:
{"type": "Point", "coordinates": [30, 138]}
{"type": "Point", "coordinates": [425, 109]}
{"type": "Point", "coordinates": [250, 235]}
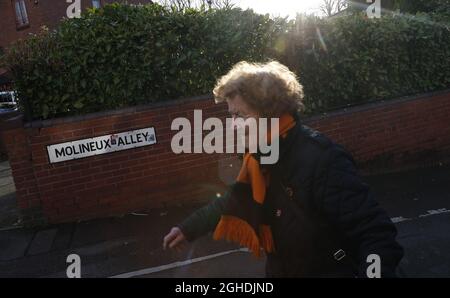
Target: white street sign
{"type": "Point", "coordinates": [101, 145]}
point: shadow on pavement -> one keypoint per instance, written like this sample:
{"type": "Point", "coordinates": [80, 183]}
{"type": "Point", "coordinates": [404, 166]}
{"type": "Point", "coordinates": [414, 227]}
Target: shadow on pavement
{"type": "Point", "coordinates": [417, 199]}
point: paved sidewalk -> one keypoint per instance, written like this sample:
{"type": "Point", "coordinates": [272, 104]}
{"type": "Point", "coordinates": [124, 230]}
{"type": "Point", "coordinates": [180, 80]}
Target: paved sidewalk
{"type": "Point", "coordinates": [9, 215]}
{"type": "Point", "coordinates": [130, 246]}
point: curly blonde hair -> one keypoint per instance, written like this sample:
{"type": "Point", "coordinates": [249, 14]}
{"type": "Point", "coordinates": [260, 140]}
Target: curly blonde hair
{"type": "Point", "coordinates": [269, 88]}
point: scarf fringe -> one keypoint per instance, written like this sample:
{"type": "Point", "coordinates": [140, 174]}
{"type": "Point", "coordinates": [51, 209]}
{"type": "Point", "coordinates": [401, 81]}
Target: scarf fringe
{"type": "Point", "coordinates": [234, 229]}
{"type": "Point", "coordinates": [265, 235]}
{"type": "Point", "coordinates": [237, 230]}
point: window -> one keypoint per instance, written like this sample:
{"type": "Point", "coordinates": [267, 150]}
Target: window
{"type": "Point", "coordinates": [21, 13]}
{"type": "Point", "coordinates": [96, 3]}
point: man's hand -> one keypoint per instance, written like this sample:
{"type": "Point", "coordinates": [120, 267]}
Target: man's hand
{"type": "Point", "coordinates": [175, 239]}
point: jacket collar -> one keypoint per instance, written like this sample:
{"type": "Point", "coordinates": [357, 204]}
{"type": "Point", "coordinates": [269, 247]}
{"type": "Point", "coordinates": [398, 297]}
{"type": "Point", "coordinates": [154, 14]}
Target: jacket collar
{"type": "Point", "coordinates": [284, 143]}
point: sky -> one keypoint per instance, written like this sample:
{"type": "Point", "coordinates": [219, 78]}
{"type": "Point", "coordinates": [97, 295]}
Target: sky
{"type": "Point", "coordinates": [278, 8]}
{"type": "Point", "coordinates": [281, 8]}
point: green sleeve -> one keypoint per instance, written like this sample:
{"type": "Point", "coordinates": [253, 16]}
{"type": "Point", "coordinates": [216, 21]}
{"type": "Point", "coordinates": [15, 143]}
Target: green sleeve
{"type": "Point", "coordinates": [203, 220]}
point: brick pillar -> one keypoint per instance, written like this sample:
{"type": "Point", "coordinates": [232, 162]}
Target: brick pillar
{"type": "Point", "coordinates": [19, 154]}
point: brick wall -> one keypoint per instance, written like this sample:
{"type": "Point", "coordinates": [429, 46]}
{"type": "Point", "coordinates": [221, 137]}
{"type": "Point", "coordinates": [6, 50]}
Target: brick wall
{"type": "Point", "coordinates": [382, 135]}
{"type": "Point", "coordinates": [398, 134]}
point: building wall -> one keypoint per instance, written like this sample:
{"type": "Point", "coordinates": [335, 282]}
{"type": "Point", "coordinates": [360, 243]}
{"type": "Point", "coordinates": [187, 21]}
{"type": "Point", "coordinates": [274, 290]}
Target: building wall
{"type": "Point", "coordinates": [9, 31]}
{"type": "Point", "coordinates": [40, 13]}
{"type": "Point", "coordinates": [385, 135]}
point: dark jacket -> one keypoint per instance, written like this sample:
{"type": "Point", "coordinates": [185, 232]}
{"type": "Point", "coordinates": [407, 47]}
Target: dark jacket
{"type": "Point", "coordinates": [319, 210]}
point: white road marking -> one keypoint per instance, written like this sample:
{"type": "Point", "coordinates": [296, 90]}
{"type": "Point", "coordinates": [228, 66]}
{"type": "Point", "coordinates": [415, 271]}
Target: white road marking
{"type": "Point", "coordinates": [429, 213]}
{"type": "Point", "coordinates": [434, 212]}
{"type": "Point", "coordinates": [176, 264]}
{"type": "Point", "coordinates": [399, 219]}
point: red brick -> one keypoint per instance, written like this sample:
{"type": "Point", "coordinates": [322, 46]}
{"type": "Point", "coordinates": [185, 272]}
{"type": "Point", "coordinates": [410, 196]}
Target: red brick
{"type": "Point", "coordinates": [83, 133]}
{"type": "Point", "coordinates": [105, 129]}
{"type": "Point", "coordinates": [61, 185]}
{"type": "Point", "coordinates": [40, 139]}
{"type": "Point", "coordinates": [93, 184]}
{"type": "Point", "coordinates": [61, 137]}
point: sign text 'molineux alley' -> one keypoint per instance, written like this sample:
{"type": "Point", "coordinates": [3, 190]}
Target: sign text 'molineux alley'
{"type": "Point", "coordinates": [101, 145]}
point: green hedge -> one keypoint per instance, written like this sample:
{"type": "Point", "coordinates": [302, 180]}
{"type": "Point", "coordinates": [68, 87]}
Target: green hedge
{"type": "Point", "coordinates": [351, 60]}
{"type": "Point", "coordinates": [122, 55]}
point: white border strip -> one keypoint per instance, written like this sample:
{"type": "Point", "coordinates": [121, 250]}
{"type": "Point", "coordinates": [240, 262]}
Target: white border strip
{"type": "Point", "coordinates": [176, 264]}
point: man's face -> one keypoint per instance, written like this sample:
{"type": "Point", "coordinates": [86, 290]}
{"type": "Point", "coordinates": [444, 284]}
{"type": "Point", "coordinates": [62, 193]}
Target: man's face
{"type": "Point", "coordinates": [238, 108]}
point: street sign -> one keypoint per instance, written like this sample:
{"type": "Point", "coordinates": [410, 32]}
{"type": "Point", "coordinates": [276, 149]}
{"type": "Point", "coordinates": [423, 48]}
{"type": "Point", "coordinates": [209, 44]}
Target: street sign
{"type": "Point", "coordinates": [101, 145]}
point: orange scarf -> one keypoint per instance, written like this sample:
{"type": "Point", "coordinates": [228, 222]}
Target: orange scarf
{"type": "Point", "coordinates": [242, 219]}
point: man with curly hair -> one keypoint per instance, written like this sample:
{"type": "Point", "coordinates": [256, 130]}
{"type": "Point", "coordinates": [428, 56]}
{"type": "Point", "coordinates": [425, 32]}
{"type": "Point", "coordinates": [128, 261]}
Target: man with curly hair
{"type": "Point", "coordinates": [310, 212]}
